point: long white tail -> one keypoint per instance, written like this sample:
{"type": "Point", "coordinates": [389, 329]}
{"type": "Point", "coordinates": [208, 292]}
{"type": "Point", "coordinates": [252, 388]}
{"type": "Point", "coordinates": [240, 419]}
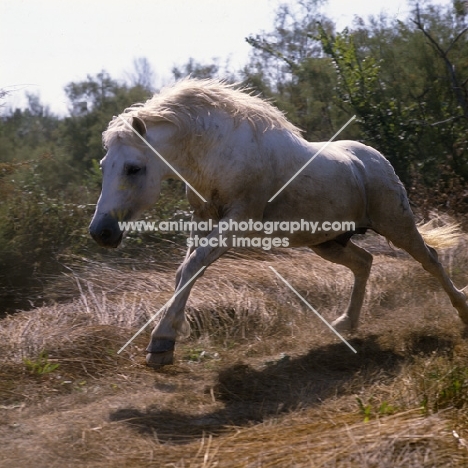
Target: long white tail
{"type": "Point", "coordinates": [441, 237]}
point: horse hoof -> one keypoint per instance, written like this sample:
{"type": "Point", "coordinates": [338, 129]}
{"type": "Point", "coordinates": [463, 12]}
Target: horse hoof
{"type": "Point", "coordinates": [160, 353]}
{"type": "Point", "coordinates": [343, 324]}
{"type": "Point", "coordinates": [158, 360]}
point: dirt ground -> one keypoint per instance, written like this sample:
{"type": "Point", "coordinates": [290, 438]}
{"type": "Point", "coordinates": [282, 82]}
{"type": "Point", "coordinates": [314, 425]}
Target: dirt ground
{"type": "Point", "coordinates": [261, 382]}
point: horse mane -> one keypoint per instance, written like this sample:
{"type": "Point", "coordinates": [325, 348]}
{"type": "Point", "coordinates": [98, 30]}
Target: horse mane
{"type": "Point", "coordinates": [181, 103]}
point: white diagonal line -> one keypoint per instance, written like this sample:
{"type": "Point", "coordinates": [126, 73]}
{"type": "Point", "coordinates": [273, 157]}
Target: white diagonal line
{"type": "Point", "coordinates": [312, 309]}
{"type": "Point", "coordinates": [159, 155]}
{"type": "Point", "coordinates": [159, 311]}
{"type": "Point", "coordinates": [312, 158]}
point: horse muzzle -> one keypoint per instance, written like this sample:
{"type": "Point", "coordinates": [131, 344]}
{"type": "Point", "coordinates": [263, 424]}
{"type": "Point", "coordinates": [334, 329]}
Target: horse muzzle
{"type": "Point", "coordinates": [105, 231]}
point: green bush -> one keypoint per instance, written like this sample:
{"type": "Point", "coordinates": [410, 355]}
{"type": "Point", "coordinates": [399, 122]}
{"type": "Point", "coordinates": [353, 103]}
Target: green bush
{"type": "Point", "coordinates": [37, 231]}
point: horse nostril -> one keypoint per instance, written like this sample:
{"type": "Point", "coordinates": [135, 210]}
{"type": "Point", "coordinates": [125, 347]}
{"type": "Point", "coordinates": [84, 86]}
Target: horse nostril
{"type": "Point", "coordinates": [106, 234]}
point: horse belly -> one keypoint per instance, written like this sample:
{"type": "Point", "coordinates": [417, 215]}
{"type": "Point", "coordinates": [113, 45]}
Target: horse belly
{"type": "Point", "coordinates": [323, 209]}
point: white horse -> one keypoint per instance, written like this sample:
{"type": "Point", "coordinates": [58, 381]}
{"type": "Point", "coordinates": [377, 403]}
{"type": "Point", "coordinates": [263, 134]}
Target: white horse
{"type": "Point", "coordinates": [237, 151]}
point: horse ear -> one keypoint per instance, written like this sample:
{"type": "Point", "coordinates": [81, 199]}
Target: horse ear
{"type": "Point", "coordinates": [139, 125]}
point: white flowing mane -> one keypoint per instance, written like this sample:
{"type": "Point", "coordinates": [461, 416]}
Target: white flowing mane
{"type": "Point", "coordinates": [182, 103]}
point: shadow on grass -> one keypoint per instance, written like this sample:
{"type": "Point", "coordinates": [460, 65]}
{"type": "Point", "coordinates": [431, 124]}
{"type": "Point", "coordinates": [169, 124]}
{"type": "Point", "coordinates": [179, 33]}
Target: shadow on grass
{"type": "Point", "coordinates": [251, 396]}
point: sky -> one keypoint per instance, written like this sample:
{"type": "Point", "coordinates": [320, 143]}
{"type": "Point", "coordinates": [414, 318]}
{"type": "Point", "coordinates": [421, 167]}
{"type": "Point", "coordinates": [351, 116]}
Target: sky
{"type": "Point", "coordinates": [45, 44]}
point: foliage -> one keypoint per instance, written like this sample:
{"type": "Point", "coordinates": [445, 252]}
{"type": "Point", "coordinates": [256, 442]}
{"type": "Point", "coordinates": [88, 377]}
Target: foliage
{"type": "Point", "coordinates": [39, 227]}
{"type": "Point", "coordinates": [49, 182]}
{"type": "Point", "coordinates": [288, 67]}
{"type": "Point", "coordinates": [195, 70]}
{"type": "Point", "coordinates": [370, 411]}
{"type": "Point", "coordinates": [41, 365]}
{"type": "Point", "coordinates": [404, 110]}
{"type": "Point", "coordinates": [93, 104]}
{"type": "Point", "coordinates": [386, 121]}
{"type": "Point", "coordinates": [407, 82]}
{"type": "Point", "coordinates": [444, 386]}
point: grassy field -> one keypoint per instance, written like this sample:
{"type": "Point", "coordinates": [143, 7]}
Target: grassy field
{"type": "Point", "coordinates": [260, 383]}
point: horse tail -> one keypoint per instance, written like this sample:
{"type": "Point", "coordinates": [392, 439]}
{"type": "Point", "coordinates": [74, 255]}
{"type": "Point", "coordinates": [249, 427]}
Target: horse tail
{"type": "Point", "coordinates": [441, 237]}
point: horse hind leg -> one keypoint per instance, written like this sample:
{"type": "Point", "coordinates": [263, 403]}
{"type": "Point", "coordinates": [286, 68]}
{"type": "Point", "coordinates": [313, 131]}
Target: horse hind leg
{"type": "Point", "coordinates": [359, 261]}
{"type": "Point", "coordinates": [406, 236]}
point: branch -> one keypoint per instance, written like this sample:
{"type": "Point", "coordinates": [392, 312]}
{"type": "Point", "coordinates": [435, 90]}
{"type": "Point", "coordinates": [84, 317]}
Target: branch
{"type": "Point", "coordinates": [455, 40]}
{"type": "Point", "coordinates": [426, 124]}
{"type": "Point", "coordinates": [448, 64]}
{"type": "Point", "coordinates": [266, 47]}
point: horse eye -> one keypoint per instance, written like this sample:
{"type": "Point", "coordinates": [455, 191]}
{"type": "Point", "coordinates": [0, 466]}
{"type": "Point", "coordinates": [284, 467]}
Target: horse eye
{"type": "Point", "coordinates": [131, 169]}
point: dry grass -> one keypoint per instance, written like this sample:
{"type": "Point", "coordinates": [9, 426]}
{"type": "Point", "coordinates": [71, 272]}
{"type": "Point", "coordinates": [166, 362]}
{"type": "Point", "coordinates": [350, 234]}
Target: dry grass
{"type": "Point", "coordinates": [260, 383]}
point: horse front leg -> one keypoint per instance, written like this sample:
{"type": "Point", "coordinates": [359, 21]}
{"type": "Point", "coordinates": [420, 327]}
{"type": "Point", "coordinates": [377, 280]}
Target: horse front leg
{"type": "Point", "coordinates": [173, 322]}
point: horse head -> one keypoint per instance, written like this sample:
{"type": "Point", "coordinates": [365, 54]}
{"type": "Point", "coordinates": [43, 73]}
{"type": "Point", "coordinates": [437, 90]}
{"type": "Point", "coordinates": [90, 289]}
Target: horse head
{"type": "Point", "coordinates": [132, 177]}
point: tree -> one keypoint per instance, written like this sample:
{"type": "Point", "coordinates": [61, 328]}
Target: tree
{"type": "Point", "coordinates": [143, 75]}
{"type": "Point", "coordinates": [104, 98]}
{"type": "Point", "coordinates": [405, 80]}
{"type": "Point", "coordinates": [386, 120]}
{"type": "Point", "coordinates": [196, 70]}
{"type": "Point", "coordinates": [405, 91]}
{"type": "Point", "coordinates": [288, 66]}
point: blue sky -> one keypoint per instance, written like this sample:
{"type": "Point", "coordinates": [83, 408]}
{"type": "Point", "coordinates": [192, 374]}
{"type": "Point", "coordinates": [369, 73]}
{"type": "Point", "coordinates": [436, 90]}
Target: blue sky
{"type": "Point", "coordinates": [45, 44]}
